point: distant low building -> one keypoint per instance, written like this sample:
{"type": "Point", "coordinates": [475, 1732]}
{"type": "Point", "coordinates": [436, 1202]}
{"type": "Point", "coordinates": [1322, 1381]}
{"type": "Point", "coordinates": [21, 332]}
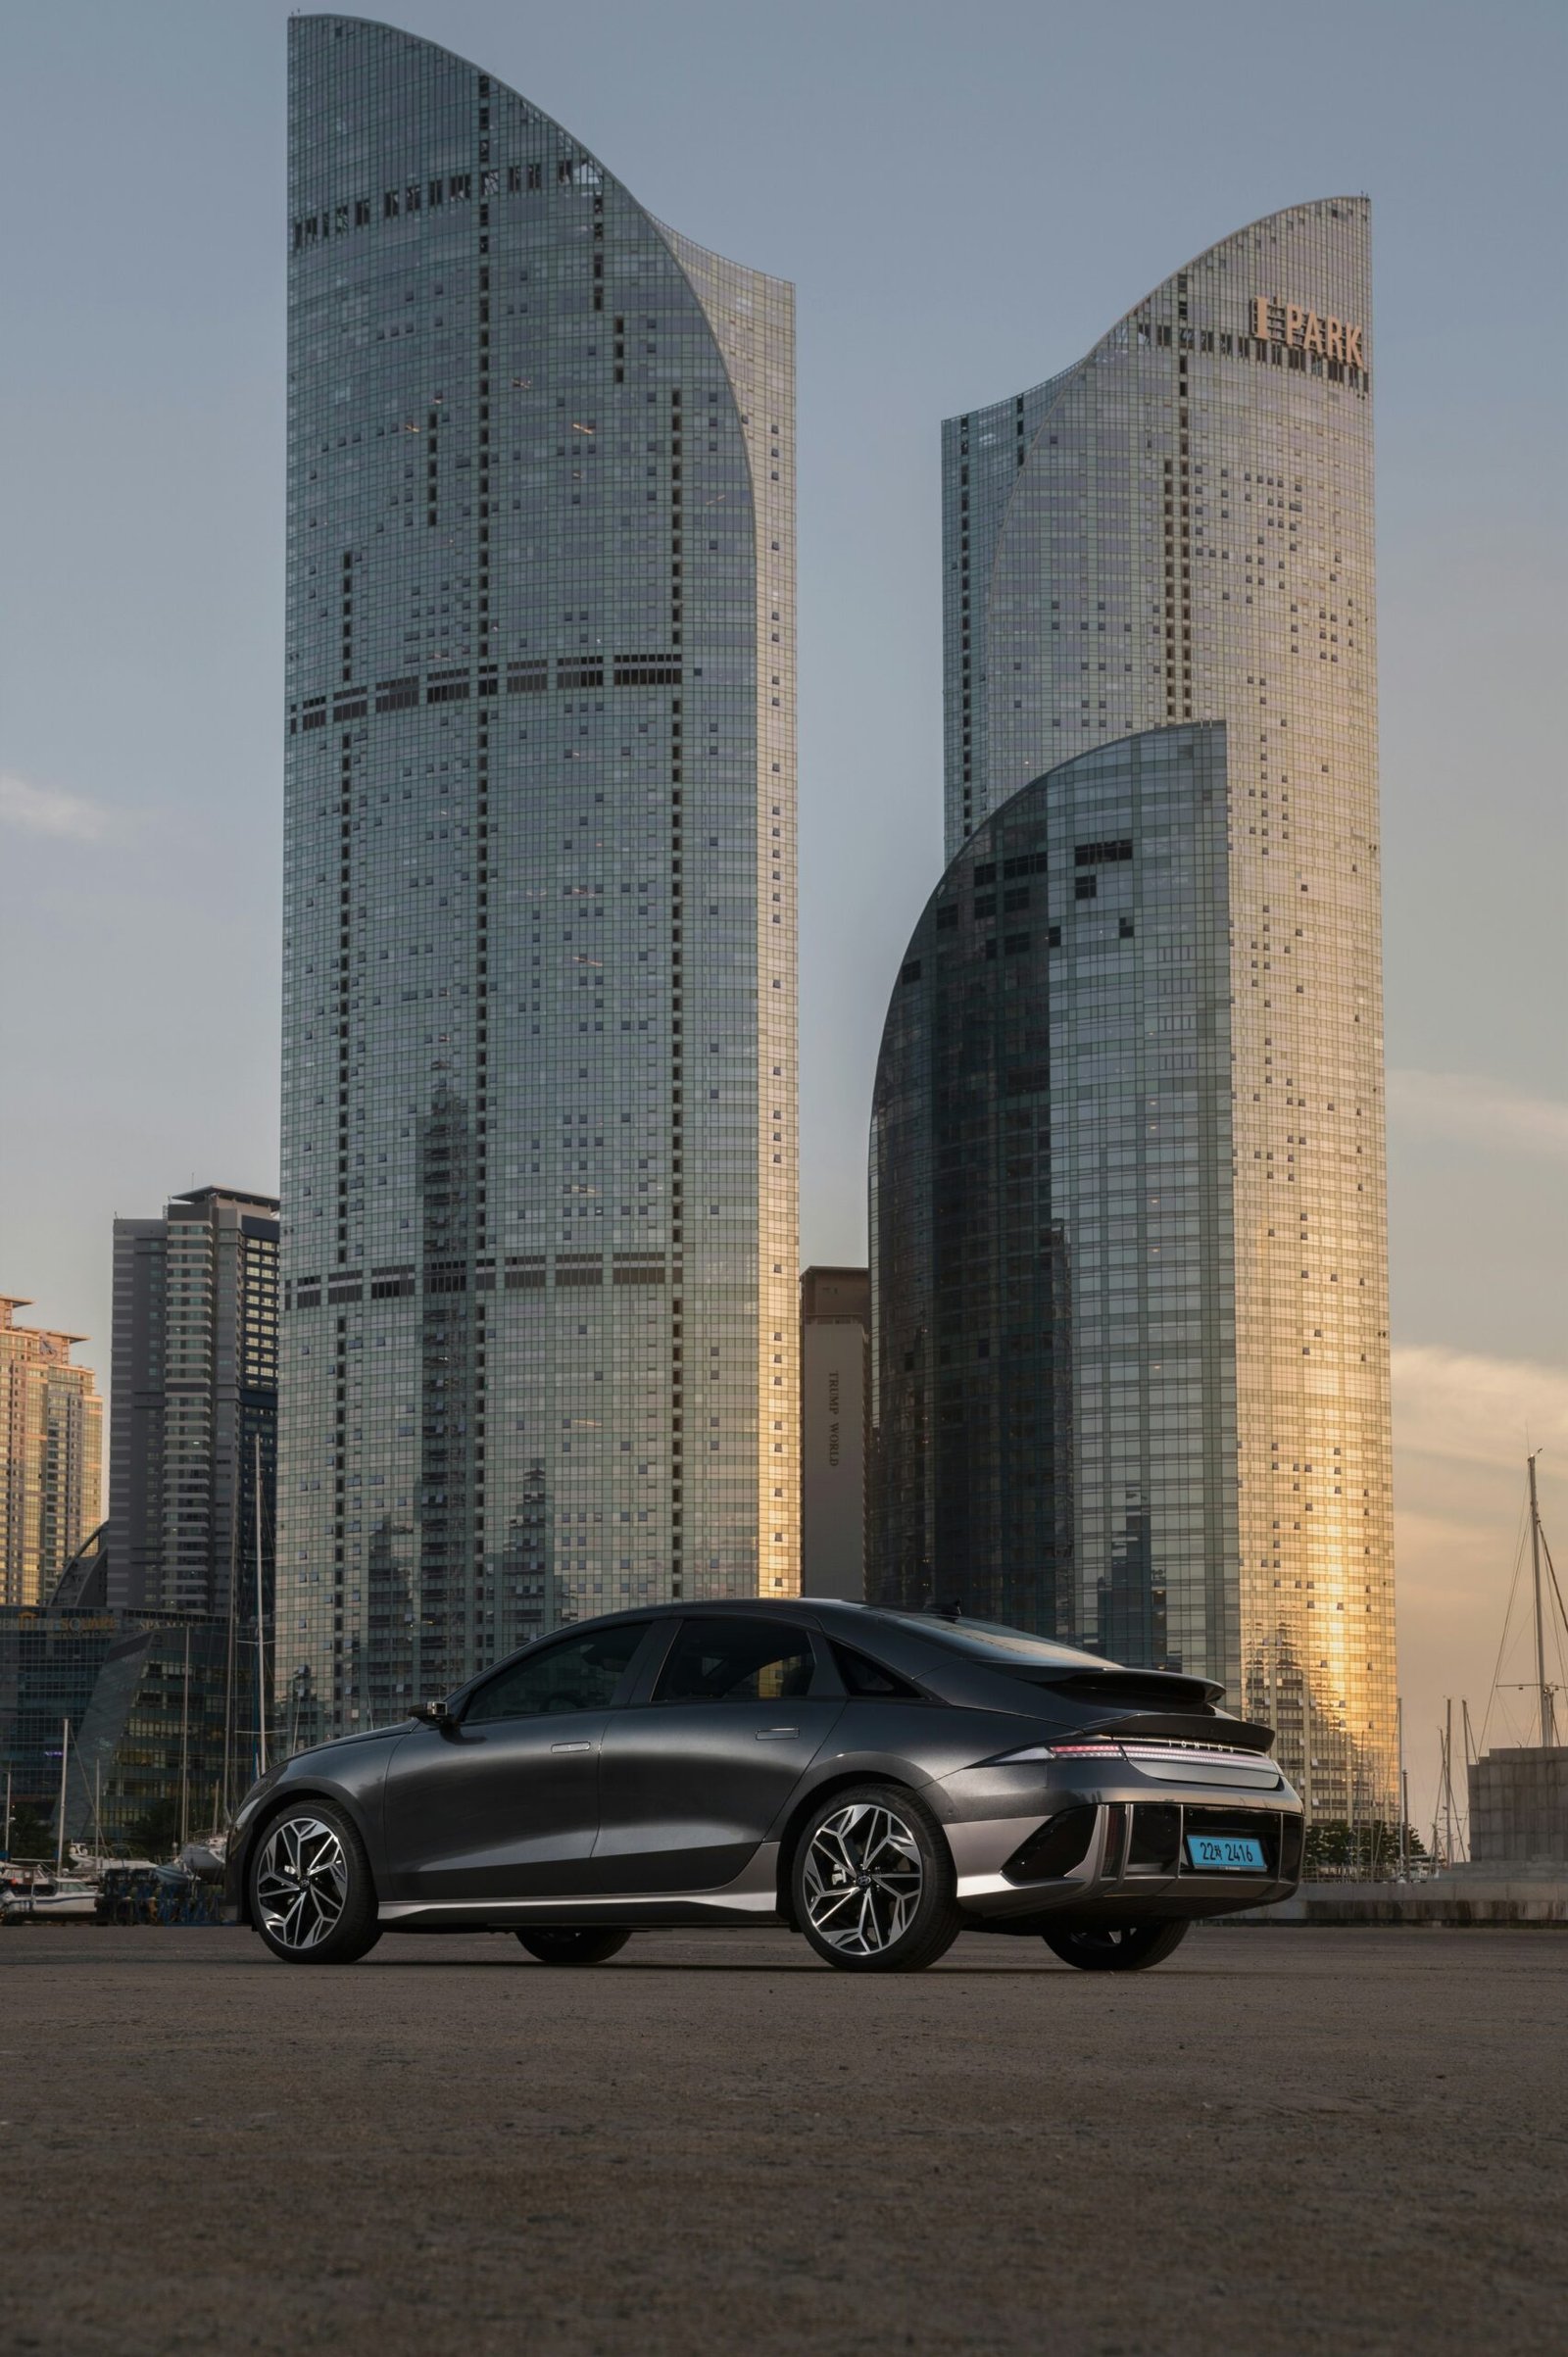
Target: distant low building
{"type": "Point", "coordinates": [147, 1697]}
{"type": "Point", "coordinates": [1519, 1806]}
{"type": "Point", "coordinates": [835, 1405]}
{"type": "Point", "coordinates": [51, 1448]}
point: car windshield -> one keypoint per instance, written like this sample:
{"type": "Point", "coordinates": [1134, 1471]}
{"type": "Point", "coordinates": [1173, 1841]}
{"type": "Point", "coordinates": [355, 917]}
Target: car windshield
{"type": "Point", "coordinates": [993, 1640]}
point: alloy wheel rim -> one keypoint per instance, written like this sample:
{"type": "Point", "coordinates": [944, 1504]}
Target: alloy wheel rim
{"type": "Point", "coordinates": [864, 1877]}
{"type": "Point", "coordinates": [302, 1883]}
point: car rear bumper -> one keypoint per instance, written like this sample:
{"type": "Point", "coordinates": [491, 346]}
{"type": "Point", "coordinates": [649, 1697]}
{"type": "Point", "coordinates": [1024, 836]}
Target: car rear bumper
{"type": "Point", "coordinates": [1116, 1856]}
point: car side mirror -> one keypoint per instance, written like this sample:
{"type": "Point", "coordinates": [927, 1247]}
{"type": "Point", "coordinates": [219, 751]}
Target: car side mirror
{"type": "Point", "coordinates": [434, 1713]}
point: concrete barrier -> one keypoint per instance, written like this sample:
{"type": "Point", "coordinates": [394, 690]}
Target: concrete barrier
{"type": "Point", "coordinates": [1469, 1897]}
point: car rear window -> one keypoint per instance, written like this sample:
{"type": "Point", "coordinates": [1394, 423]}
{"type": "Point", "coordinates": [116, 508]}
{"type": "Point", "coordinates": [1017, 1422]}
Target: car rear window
{"type": "Point", "coordinates": [991, 1642]}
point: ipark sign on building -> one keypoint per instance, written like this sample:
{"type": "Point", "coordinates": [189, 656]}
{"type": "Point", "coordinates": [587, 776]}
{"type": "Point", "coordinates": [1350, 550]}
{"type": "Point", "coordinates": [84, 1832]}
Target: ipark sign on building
{"type": "Point", "coordinates": [1276, 323]}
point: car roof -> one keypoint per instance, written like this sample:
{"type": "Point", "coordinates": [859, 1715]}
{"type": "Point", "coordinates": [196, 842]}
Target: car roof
{"type": "Point", "coordinates": [829, 1608]}
{"type": "Point", "coordinates": [877, 1628]}
{"type": "Point", "coordinates": [988, 1646]}
{"type": "Point", "coordinates": [674, 1608]}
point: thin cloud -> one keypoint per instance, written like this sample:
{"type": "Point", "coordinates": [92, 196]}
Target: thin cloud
{"type": "Point", "coordinates": [31, 809]}
{"type": "Point", "coordinates": [1477, 1112]}
{"type": "Point", "coordinates": [1454, 1404]}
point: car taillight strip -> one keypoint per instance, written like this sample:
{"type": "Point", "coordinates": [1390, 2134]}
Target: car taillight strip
{"type": "Point", "coordinates": [1196, 1752]}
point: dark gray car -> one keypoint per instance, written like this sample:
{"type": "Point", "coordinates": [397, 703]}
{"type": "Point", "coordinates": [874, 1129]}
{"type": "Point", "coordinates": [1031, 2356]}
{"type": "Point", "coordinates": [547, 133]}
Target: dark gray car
{"type": "Point", "coordinates": [876, 1780]}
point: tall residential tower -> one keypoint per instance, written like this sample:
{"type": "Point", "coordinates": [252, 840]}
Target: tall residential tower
{"type": "Point", "coordinates": [1144, 1013]}
{"type": "Point", "coordinates": [539, 1104]}
{"type": "Point", "coordinates": [193, 1438]}
{"type": "Point", "coordinates": [51, 1448]}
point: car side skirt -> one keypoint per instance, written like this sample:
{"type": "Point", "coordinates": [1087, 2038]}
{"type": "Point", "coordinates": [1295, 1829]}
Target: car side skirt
{"type": "Point", "coordinates": [752, 1897]}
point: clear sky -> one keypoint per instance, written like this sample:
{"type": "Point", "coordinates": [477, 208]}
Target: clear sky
{"type": "Point", "coordinates": [965, 198]}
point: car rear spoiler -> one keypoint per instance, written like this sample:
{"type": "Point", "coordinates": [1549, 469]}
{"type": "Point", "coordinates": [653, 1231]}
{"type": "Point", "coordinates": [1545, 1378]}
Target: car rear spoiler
{"type": "Point", "coordinates": [1132, 1690]}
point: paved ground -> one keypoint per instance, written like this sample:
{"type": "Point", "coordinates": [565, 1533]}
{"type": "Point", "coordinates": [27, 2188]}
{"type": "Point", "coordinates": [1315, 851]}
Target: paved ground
{"type": "Point", "coordinates": [1311, 2140]}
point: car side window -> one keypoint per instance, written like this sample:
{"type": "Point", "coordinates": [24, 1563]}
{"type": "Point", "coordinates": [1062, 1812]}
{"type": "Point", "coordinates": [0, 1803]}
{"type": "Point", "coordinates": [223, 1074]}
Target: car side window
{"type": "Point", "coordinates": [739, 1661]}
{"type": "Point", "coordinates": [580, 1673]}
{"type": "Point", "coordinates": [868, 1680]}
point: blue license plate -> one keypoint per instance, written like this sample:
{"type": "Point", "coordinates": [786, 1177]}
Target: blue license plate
{"type": "Point", "coordinates": [1224, 1853]}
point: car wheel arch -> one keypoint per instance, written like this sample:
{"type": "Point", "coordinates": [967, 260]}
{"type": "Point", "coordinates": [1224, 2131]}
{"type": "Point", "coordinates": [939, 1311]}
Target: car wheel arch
{"type": "Point", "coordinates": [802, 1810]}
{"type": "Point", "coordinates": [273, 1807]}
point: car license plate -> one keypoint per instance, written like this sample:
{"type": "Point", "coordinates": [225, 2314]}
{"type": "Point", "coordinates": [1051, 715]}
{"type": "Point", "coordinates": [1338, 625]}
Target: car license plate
{"type": "Point", "coordinates": [1224, 1853]}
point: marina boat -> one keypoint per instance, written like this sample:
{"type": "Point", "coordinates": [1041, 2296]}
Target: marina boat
{"type": "Point", "coordinates": [48, 1898]}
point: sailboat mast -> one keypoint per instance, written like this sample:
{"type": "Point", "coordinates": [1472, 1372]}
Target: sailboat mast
{"type": "Point", "coordinates": [1404, 1824]}
{"type": "Point", "coordinates": [1548, 1731]}
{"type": "Point", "coordinates": [64, 1755]}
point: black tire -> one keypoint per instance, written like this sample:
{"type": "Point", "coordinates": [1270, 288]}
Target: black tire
{"type": "Point", "coordinates": [573, 1948]}
{"type": "Point", "coordinates": [311, 1892]}
{"type": "Point", "coordinates": [1129, 1947]}
{"type": "Point", "coordinates": [872, 1882]}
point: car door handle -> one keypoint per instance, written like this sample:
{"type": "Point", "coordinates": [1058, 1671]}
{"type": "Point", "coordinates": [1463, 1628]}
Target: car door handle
{"type": "Point", "coordinates": [776, 1735]}
{"type": "Point", "coordinates": [572, 1747]}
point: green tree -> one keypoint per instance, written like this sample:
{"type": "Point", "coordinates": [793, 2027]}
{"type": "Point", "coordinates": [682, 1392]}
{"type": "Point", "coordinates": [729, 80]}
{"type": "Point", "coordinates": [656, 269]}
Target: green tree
{"type": "Point", "coordinates": [154, 1834]}
{"type": "Point", "coordinates": [31, 1834]}
{"type": "Point", "coordinates": [1367, 1852]}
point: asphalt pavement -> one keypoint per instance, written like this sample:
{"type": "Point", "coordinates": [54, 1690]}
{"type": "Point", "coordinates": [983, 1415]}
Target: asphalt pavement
{"type": "Point", "coordinates": [1280, 2141]}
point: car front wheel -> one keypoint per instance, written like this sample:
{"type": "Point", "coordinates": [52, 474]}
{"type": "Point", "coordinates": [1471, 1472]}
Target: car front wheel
{"type": "Point", "coordinates": [312, 1894]}
{"type": "Point", "coordinates": [1128, 1948]}
{"type": "Point", "coordinates": [573, 1948]}
{"type": "Point", "coordinates": [873, 1882]}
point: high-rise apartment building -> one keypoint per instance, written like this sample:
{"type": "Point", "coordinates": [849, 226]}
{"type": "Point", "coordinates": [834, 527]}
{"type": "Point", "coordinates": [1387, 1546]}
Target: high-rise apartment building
{"type": "Point", "coordinates": [539, 1150]}
{"type": "Point", "coordinates": [51, 1446]}
{"type": "Point", "coordinates": [1161, 751]}
{"type": "Point", "coordinates": [835, 1399]}
{"type": "Point", "coordinates": [194, 1422]}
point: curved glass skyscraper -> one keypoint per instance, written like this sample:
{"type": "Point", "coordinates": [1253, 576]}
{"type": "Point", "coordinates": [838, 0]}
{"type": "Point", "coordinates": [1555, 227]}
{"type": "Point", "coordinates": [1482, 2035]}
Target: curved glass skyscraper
{"type": "Point", "coordinates": [1175, 535]}
{"type": "Point", "coordinates": [539, 1099]}
{"type": "Point", "coordinates": [1056, 1413]}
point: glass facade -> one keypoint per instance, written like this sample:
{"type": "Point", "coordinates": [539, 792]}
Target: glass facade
{"type": "Point", "coordinates": [1052, 1236]}
{"type": "Point", "coordinates": [1179, 530]}
{"type": "Point", "coordinates": [540, 1342]}
{"type": "Point", "coordinates": [147, 1698]}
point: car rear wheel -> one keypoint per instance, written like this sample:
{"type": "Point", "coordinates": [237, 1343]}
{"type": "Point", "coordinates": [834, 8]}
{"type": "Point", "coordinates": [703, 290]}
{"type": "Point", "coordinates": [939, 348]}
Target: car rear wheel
{"type": "Point", "coordinates": [873, 1882]}
{"type": "Point", "coordinates": [573, 1948]}
{"type": "Point", "coordinates": [312, 1894]}
{"type": "Point", "coordinates": [1127, 1947]}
